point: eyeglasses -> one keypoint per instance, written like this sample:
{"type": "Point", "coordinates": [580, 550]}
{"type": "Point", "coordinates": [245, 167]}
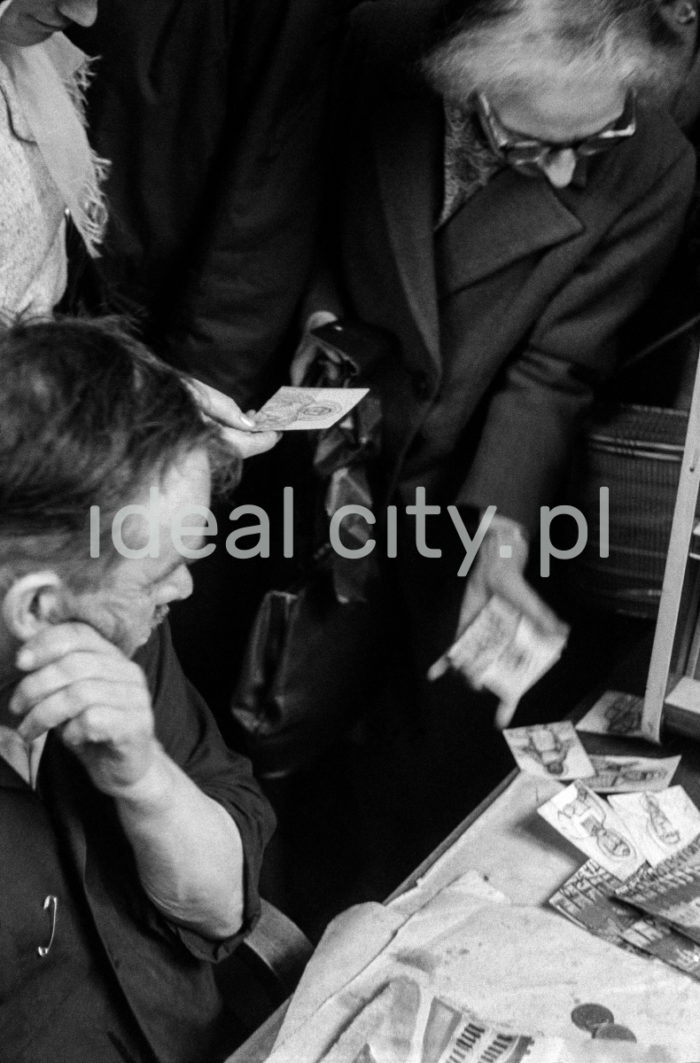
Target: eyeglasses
{"type": "Point", "coordinates": [528, 152]}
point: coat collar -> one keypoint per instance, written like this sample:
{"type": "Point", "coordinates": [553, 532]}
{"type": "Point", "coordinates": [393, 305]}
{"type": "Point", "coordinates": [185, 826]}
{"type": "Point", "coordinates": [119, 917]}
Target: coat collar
{"type": "Point", "coordinates": [512, 217]}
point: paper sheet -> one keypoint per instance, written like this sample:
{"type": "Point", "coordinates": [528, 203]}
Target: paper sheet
{"type": "Point", "coordinates": [522, 968]}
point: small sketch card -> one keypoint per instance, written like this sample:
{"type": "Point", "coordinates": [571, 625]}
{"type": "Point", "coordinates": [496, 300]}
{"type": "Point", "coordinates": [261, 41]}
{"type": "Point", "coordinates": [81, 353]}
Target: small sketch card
{"type": "Point", "coordinates": [303, 409]}
{"type": "Point", "coordinates": [625, 775]}
{"type": "Point", "coordinates": [661, 823]}
{"type": "Point", "coordinates": [614, 713]}
{"type": "Point", "coordinates": [590, 824]}
{"type": "Point", "coordinates": [553, 750]}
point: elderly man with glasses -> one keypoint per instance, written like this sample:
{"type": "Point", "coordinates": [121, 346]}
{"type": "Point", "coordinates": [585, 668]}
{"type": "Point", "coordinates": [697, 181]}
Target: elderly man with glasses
{"type": "Point", "coordinates": [509, 189]}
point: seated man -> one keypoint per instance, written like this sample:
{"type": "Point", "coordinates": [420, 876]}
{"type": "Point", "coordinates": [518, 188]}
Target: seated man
{"type": "Point", "coordinates": [130, 837]}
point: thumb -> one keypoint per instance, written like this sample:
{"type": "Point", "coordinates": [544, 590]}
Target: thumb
{"type": "Point", "coordinates": [504, 714]}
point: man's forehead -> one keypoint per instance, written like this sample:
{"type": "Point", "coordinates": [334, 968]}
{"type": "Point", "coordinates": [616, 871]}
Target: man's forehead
{"type": "Point", "coordinates": [562, 108]}
{"type": "Point", "coordinates": [185, 482]}
{"type": "Point", "coordinates": [175, 499]}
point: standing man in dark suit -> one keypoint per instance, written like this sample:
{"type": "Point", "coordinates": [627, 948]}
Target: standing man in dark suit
{"type": "Point", "coordinates": [509, 192]}
{"type": "Point", "coordinates": [211, 112]}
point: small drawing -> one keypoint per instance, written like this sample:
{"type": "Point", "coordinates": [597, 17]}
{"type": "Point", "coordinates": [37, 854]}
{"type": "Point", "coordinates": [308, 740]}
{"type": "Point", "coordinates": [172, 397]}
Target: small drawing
{"type": "Point", "coordinates": [546, 747]}
{"type": "Point", "coordinates": [658, 824]}
{"type": "Point", "coordinates": [312, 411]}
{"type": "Point", "coordinates": [619, 773]}
{"type": "Point", "coordinates": [624, 715]}
{"type": "Point", "coordinates": [582, 817]}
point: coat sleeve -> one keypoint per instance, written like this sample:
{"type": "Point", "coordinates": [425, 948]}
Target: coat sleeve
{"type": "Point", "coordinates": [538, 401]}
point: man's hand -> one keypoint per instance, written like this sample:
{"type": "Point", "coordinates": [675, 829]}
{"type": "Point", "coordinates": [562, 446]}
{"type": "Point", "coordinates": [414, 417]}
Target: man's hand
{"type": "Point", "coordinates": [499, 569]}
{"type": "Point", "coordinates": [235, 425]}
{"type": "Point", "coordinates": [187, 847]}
{"type": "Point", "coordinates": [96, 698]}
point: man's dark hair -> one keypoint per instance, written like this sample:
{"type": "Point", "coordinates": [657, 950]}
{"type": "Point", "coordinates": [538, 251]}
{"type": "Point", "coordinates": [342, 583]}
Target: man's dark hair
{"type": "Point", "coordinates": [88, 417]}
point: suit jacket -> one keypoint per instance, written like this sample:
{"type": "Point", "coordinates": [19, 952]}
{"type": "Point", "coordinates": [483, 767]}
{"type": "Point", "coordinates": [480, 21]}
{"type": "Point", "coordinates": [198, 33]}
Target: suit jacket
{"type": "Point", "coordinates": [211, 116]}
{"type": "Point", "coordinates": [508, 318]}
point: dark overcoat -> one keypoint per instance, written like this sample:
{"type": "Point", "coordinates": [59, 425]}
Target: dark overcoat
{"type": "Point", "coordinates": [211, 115]}
{"type": "Point", "coordinates": [508, 317]}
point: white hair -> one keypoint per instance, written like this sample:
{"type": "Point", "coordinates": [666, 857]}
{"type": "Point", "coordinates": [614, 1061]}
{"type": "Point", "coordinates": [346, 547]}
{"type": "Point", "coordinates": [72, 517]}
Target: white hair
{"type": "Point", "coordinates": [516, 46]}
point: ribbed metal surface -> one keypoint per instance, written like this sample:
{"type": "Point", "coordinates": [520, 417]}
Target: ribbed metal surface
{"type": "Point", "coordinates": [635, 451]}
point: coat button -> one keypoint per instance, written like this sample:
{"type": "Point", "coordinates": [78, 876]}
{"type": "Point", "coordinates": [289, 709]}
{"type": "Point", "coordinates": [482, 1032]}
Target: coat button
{"type": "Point", "coordinates": [421, 386]}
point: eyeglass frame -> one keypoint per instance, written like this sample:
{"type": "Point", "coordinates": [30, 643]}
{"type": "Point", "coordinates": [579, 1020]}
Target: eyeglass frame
{"type": "Point", "coordinates": [501, 138]}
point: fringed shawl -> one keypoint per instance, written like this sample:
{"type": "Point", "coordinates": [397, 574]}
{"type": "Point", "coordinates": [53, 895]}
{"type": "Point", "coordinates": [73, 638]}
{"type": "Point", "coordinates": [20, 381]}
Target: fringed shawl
{"type": "Point", "coordinates": [50, 80]}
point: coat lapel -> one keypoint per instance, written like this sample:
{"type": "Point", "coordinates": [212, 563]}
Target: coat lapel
{"type": "Point", "coordinates": [512, 217]}
{"type": "Point", "coordinates": [408, 145]}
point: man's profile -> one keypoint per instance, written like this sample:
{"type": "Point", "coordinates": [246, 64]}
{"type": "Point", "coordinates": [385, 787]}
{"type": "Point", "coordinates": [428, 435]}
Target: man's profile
{"type": "Point", "coordinates": [130, 836]}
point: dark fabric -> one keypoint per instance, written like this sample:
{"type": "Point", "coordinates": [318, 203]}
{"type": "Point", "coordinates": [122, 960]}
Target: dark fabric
{"type": "Point", "coordinates": [66, 1005]}
{"type": "Point", "coordinates": [509, 321]}
{"type": "Point", "coordinates": [159, 999]}
{"type": "Point", "coordinates": [211, 114]}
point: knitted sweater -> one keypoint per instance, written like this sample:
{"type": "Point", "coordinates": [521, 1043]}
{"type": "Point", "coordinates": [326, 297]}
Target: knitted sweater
{"type": "Point", "coordinates": [32, 217]}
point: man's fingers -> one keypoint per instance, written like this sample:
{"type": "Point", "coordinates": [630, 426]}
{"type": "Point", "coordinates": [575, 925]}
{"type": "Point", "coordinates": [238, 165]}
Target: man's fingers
{"type": "Point", "coordinates": [78, 668]}
{"type": "Point", "coordinates": [58, 640]}
{"type": "Point", "coordinates": [62, 673]}
{"type": "Point", "coordinates": [439, 668]}
{"type": "Point", "coordinates": [248, 443]}
{"type": "Point", "coordinates": [505, 713]}
{"type": "Point", "coordinates": [71, 701]}
{"type": "Point", "coordinates": [521, 595]}
{"type": "Point", "coordinates": [510, 584]}
{"type": "Point", "coordinates": [103, 725]}
{"type": "Point", "coordinates": [237, 427]}
{"type": "Point", "coordinates": [220, 407]}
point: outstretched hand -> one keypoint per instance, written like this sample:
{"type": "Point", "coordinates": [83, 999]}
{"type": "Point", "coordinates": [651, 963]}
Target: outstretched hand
{"type": "Point", "coordinates": [499, 570]}
{"type": "Point", "coordinates": [236, 426]}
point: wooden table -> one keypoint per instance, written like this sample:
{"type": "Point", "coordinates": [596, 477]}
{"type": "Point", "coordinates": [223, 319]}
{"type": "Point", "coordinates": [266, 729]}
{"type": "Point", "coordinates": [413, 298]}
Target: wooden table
{"type": "Point", "coordinates": [503, 833]}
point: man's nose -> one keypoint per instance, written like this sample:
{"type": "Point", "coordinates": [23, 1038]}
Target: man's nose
{"type": "Point", "coordinates": [559, 167]}
{"type": "Point", "coordinates": [82, 12]}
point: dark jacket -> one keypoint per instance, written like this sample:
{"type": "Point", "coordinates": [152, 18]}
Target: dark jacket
{"type": "Point", "coordinates": [508, 317]}
{"type": "Point", "coordinates": [211, 116]}
{"type": "Point", "coordinates": [120, 982]}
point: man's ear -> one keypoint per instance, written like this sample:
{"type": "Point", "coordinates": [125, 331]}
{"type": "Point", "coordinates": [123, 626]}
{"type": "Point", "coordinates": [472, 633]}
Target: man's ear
{"type": "Point", "coordinates": [32, 602]}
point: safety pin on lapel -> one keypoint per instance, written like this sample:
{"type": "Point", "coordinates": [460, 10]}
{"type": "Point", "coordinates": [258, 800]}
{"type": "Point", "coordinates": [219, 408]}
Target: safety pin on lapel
{"type": "Point", "coordinates": [50, 905]}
